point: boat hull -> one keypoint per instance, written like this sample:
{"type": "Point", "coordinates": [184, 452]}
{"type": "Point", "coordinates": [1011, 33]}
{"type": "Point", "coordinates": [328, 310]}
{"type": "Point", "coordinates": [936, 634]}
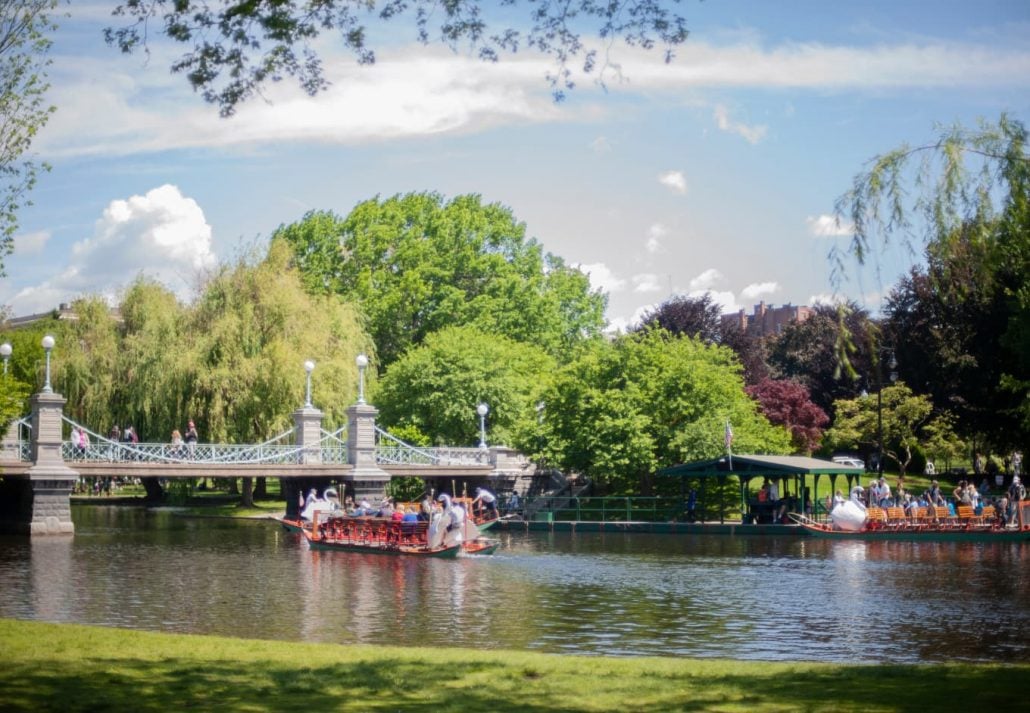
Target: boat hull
{"type": "Point", "coordinates": [383, 549]}
{"type": "Point", "coordinates": [294, 525]}
{"type": "Point", "coordinates": [919, 535]}
{"type": "Point", "coordinates": [480, 547]}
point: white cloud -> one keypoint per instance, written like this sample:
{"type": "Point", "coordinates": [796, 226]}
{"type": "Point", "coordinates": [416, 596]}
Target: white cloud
{"type": "Point", "coordinates": [654, 235]}
{"type": "Point", "coordinates": [822, 67]}
{"type": "Point", "coordinates": [826, 226]}
{"type": "Point", "coordinates": [674, 180]}
{"type": "Point", "coordinates": [727, 301]}
{"type": "Point", "coordinates": [757, 289]}
{"type": "Point", "coordinates": [113, 105]}
{"type": "Point", "coordinates": [824, 298]}
{"type": "Point", "coordinates": [162, 234]}
{"type": "Point", "coordinates": [31, 243]}
{"type": "Point", "coordinates": [646, 282]}
{"type": "Point", "coordinates": [752, 134]}
{"type": "Point", "coordinates": [708, 278]}
{"type": "Point", "coordinates": [117, 108]}
{"type": "Point", "coordinates": [601, 277]}
{"type": "Point", "coordinates": [600, 145]}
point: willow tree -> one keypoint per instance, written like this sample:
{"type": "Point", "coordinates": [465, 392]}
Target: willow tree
{"type": "Point", "coordinates": [251, 331]}
{"type": "Point", "coordinates": [966, 192]}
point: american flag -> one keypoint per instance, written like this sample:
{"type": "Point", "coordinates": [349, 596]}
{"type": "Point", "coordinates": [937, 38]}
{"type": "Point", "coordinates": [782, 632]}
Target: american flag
{"type": "Point", "coordinates": [729, 435]}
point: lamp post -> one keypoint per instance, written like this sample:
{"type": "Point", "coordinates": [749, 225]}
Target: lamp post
{"type": "Point", "coordinates": [48, 344]}
{"type": "Point", "coordinates": [362, 362]}
{"type": "Point", "coordinates": [5, 352]}
{"type": "Point", "coordinates": [893, 364]}
{"type": "Point", "coordinates": [482, 409]}
{"type": "Point", "coordinates": [309, 366]}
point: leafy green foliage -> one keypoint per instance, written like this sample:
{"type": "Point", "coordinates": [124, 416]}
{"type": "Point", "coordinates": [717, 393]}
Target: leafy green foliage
{"type": "Point", "coordinates": [233, 362]}
{"type": "Point", "coordinates": [416, 264]}
{"type": "Point", "coordinates": [24, 44]}
{"type": "Point", "coordinates": [234, 47]}
{"type": "Point", "coordinates": [435, 388]}
{"type": "Point", "coordinates": [963, 322]}
{"type": "Point", "coordinates": [908, 421]}
{"type": "Point", "coordinates": [622, 410]}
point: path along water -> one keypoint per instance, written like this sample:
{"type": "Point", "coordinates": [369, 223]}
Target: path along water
{"type": "Point", "coordinates": [627, 595]}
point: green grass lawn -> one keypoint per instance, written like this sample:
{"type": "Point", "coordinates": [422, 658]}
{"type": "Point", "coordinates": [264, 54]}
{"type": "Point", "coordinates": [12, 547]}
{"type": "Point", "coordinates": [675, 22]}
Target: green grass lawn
{"type": "Point", "coordinates": [66, 667]}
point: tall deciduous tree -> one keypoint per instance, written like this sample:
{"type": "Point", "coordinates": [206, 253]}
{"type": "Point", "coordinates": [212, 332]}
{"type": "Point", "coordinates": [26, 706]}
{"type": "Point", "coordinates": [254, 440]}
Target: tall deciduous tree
{"type": "Point", "coordinates": [698, 317]}
{"type": "Point", "coordinates": [829, 353]}
{"type": "Point", "coordinates": [252, 330]}
{"type": "Point", "coordinates": [789, 404]}
{"type": "Point", "coordinates": [624, 409]}
{"type": "Point", "coordinates": [416, 264]}
{"type": "Point", "coordinates": [435, 387]}
{"type": "Point", "coordinates": [24, 44]}
{"type": "Point", "coordinates": [233, 48]}
{"type": "Point", "coordinates": [964, 197]}
{"type": "Point", "coordinates": [908, 420]}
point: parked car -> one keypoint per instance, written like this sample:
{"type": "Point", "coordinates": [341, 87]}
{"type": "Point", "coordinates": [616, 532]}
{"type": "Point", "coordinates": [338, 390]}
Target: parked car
{"type": "Point", "coordinates": [849, 461]}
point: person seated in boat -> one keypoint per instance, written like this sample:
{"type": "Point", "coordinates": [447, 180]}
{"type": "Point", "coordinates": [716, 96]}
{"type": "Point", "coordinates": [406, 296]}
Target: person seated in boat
{"type": "Point", "coordinates": [409, 515]}
{"type": "Point", "coordinates": [488, 501]}
{"type": "Point", "coordinates": [385, 508]}
{"type": "Point", "coordinates": [398, 514]}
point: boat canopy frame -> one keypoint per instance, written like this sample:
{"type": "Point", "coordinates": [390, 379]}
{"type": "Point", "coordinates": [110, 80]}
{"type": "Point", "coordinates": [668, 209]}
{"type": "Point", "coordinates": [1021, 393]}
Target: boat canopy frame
{"type": "Point", "coordinates": [746, 467]}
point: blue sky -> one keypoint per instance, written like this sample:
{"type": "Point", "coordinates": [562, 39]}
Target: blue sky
{"type": "Point", "coordinates": [716, 172]}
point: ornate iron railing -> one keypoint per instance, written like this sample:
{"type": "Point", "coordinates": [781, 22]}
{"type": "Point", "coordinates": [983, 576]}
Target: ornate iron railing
{"type": "Point", "coordinates": [19, 449]}
{"type": "Point", "coordinates": [397, 452]}
{"type": "Point", "coordinates": [102, 449]}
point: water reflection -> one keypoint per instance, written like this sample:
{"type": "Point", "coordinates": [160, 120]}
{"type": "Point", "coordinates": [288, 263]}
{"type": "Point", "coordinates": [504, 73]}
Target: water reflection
{"type": "Point", "coordinates": [740, 597]}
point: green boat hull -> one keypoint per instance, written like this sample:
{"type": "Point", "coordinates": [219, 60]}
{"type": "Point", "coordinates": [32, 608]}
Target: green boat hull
{"type": "Point", "coordinates": [336, 546]}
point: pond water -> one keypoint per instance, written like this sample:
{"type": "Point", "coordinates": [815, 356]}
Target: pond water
{"type": "Point", "coordinates": [768, 598]}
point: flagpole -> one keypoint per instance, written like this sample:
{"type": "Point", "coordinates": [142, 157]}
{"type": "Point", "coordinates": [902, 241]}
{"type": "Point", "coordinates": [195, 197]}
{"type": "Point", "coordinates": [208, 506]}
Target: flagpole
{"type": "Point", "coordinates": [729, 443]}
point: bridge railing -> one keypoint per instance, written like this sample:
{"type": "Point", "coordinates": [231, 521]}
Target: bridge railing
{"type": "Point", "coordinates": [17, 442]}
{"type": "Point", "coordinates": [272, 451]}
{"type": "Point", "coordinates": [391, 450]}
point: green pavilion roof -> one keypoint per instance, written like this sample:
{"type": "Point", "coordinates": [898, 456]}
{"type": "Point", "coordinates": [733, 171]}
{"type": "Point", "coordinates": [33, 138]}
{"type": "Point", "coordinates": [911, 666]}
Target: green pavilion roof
{"type": "Point", "coordinates": [753, 466]}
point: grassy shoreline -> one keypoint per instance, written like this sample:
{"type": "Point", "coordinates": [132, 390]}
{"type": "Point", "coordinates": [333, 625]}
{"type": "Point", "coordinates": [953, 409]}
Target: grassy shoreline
{"type": "Point", "coordinates": [81, 668]}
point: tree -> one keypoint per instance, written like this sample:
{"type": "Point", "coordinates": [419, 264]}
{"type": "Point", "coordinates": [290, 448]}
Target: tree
{"type": "Point", "coordinates": [698, 317]}
{"type": "Point", "coordinates": [908, 420]}
{"type": "Point", "coordinates": [624, 409]}
{"type": "Point", "coordinates": [252, 330]}
{"type": "Point", "coordinates": [24, 45]}
{"type": "Point", "coordinates": [435, 387]}
{"type": "Point", "coordinates": [750, 349]}
{"type": "Point", "coordinates": [234, 48]}
{"type": "Point", "coordinates": [787, 403]}
{"type": "Point", "coordinates": [964, 194]}
{"type": "Point", "coordinates": [416, 264]}
{"type": "Point", "coordinates": [829, 353]}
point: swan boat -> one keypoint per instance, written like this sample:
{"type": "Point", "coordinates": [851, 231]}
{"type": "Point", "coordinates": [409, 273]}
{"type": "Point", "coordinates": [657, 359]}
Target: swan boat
{"type": "Point", "coordinates": [934, 524]}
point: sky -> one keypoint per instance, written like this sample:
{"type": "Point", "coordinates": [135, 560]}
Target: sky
{"type": "Point", "coordinates": [715, 173]}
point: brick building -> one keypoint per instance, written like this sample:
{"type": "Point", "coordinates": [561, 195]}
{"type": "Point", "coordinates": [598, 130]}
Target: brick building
{"type": "Point", "coordinates": [766, 319]}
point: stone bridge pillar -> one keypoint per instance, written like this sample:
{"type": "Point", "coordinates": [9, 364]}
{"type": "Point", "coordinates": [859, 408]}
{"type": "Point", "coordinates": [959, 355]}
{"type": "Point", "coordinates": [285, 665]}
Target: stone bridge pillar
{"type": "Point", "coordinates": [307, 425]}
{"type": "Point", "coordinates": [40, 503]}
{"type": "Point", "coordinates": [369, 479]}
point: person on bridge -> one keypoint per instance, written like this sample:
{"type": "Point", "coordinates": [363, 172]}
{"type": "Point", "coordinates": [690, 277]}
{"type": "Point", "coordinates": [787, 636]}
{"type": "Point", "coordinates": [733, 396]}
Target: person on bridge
{"type": "Point", "coordinates": [191, 438]}
{"type": "Point", "coordinates": [488, 501]}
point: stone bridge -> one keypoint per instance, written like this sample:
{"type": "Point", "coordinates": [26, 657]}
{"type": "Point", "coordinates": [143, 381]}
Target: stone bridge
{"type": "Point", "coordinates": [39, 466]}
